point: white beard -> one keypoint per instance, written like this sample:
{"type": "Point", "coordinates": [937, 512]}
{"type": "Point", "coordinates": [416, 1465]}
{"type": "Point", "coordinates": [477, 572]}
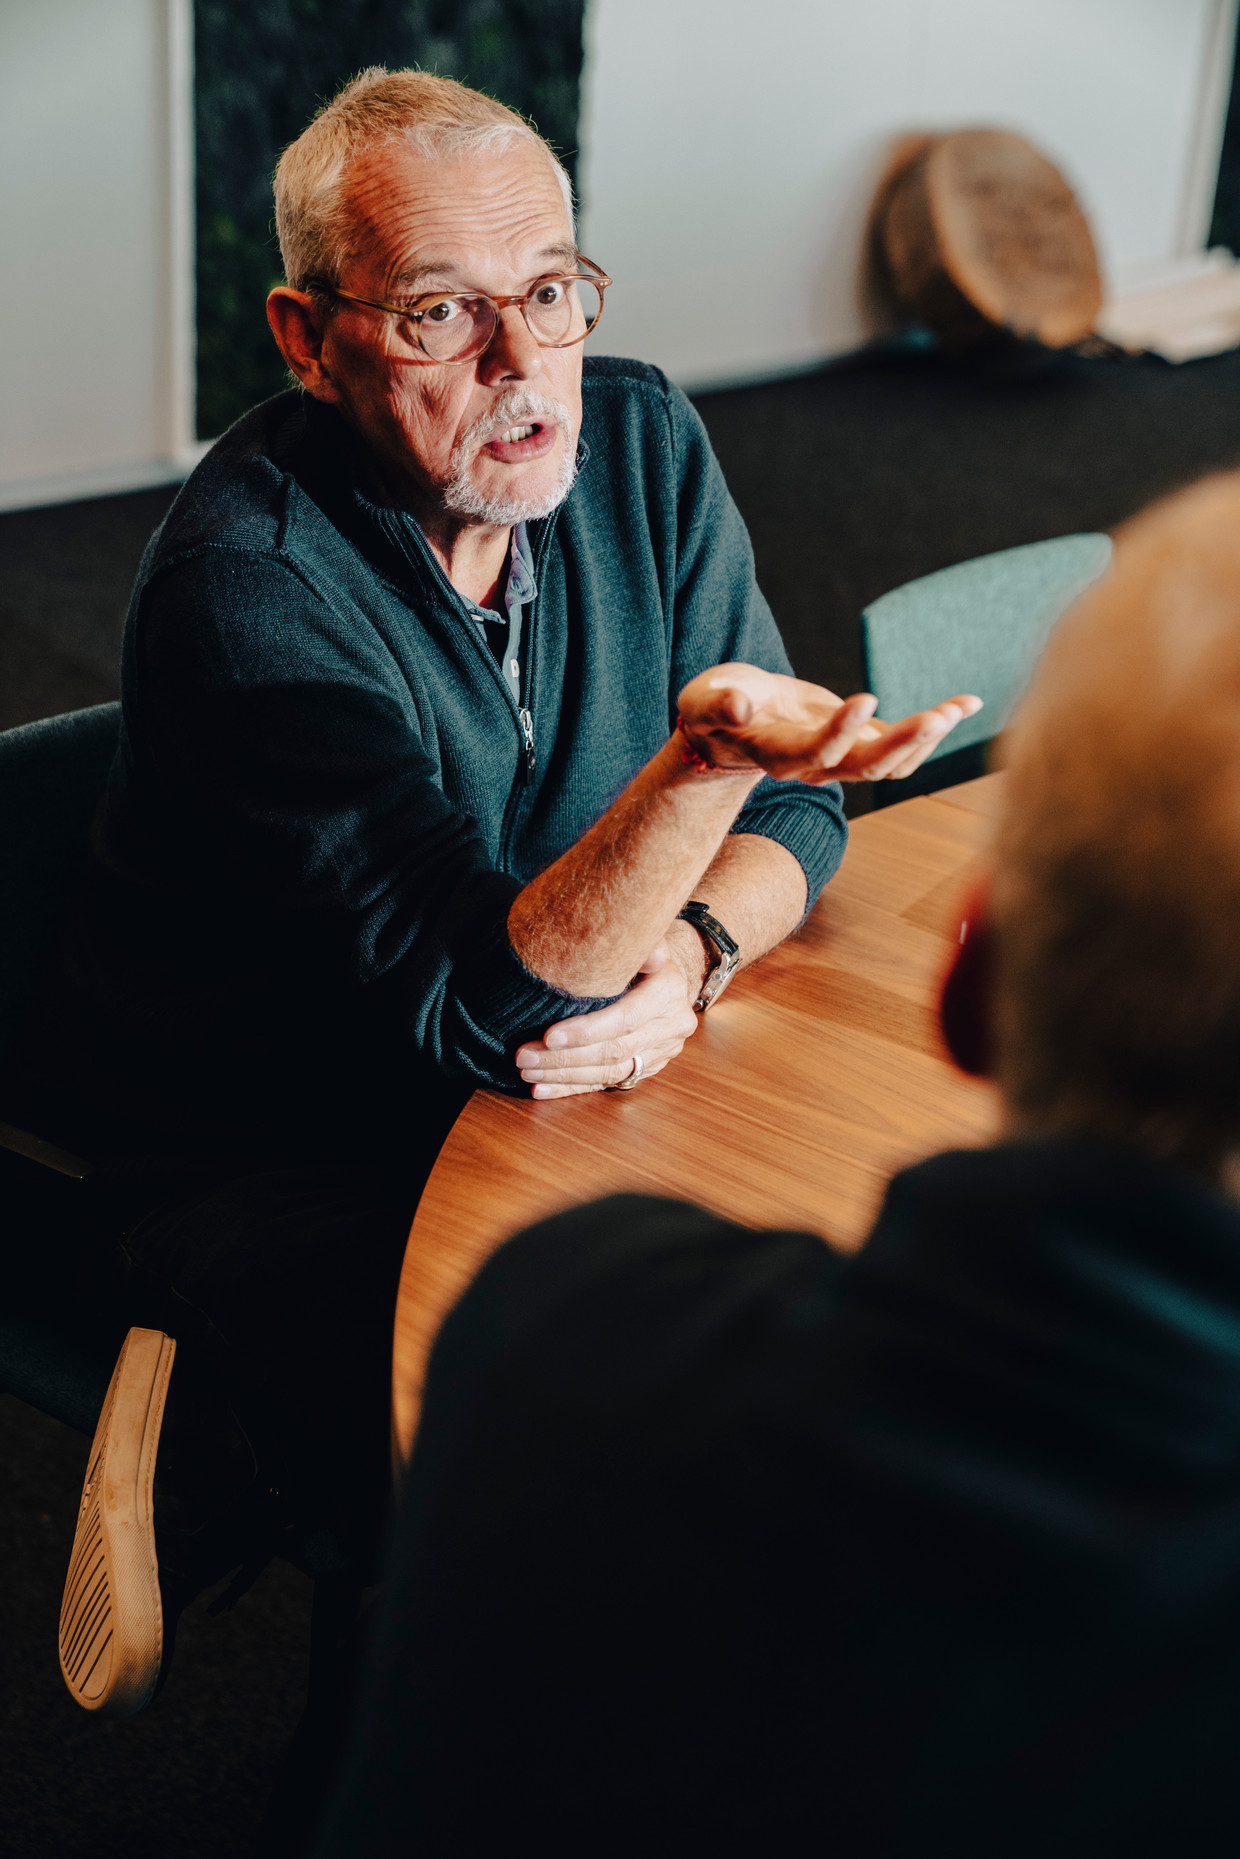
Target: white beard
{"type": "Point", "coordinates": [461, 497]}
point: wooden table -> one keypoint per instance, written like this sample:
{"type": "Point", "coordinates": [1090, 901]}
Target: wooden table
{"type": "Point", "coordinates": [819, 1073]}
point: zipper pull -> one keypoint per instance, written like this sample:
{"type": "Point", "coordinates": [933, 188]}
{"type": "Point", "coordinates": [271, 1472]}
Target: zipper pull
{"type": "Point", "coordinates": [527, 737]}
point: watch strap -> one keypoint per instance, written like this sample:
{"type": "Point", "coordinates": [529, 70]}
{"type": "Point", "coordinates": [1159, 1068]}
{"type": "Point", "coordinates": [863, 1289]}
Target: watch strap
{"type": "Point", "coordinates": [727, 953]}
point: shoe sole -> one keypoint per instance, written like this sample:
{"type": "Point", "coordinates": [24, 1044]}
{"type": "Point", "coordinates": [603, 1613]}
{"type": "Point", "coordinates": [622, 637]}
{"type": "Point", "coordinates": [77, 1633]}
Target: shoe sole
{"type": "Point", "coordinates": [111, 1618]}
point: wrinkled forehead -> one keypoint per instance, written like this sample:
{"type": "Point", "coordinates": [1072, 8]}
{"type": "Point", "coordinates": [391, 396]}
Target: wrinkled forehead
{"type": "Point", "coordinates": [473, 216]}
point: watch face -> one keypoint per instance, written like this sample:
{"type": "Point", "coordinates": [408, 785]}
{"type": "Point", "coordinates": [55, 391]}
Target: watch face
{"type": "Point", "coordinates": [724, 954]}
{"type": "Point", "coordinates": [716, 981]}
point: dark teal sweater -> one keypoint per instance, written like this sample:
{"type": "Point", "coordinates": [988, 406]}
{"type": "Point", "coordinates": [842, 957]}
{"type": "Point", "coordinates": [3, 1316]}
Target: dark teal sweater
{"type": "Point", "coordinates": [322, 809]}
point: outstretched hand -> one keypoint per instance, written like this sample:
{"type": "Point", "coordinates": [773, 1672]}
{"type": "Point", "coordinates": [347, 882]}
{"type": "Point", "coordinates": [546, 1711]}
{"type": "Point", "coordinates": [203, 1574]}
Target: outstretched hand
{"type": "Point", "coordinates": [737, 716]}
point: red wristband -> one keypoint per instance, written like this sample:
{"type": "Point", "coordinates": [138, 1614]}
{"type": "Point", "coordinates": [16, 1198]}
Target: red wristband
{"type": "Point", "coordinates": [687, 751]}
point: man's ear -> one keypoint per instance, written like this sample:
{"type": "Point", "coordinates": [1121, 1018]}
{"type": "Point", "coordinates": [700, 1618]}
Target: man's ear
{"type": "Point", "coordinates": [965, 1001]}
{"type": "Point", "coordinates": [297, 324]}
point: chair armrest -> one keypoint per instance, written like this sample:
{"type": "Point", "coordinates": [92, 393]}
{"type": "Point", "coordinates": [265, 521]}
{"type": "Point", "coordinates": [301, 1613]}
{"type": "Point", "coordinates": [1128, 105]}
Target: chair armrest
{"type": "Point", "coordinates": [45, 1154]}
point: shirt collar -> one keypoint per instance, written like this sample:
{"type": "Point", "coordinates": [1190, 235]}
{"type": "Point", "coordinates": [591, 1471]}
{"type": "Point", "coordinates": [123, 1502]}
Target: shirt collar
{"type": "Point", "coordinates": [521, 583]}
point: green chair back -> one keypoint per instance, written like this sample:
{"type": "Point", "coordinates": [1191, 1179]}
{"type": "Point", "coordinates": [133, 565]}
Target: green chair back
{"type": "Point", "coordinates": [981, 627]}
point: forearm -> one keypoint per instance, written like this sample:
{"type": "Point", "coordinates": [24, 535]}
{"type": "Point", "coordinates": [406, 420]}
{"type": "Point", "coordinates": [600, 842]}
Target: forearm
{"type": "Point", "coordinates": [589, 921]}
{"type": "Point", "coordinates": [756, 888]}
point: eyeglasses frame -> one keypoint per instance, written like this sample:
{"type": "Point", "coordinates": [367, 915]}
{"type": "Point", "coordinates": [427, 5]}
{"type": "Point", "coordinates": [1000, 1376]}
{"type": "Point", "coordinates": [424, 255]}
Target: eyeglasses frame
{"type": "Point", "coordinates": [422, 306]}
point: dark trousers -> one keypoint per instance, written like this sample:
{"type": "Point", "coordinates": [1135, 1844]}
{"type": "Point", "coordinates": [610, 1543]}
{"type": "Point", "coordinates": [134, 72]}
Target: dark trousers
{"type": "Point", "coordinates": [279, 1286]}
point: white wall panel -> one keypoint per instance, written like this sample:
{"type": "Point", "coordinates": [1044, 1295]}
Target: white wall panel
{"type": "Point", "coordinates": [94, 369]}
{"type": "Point", "coordinates": [729, 152]}
{"type": "Point", "coordinates": [730, 148]}
{"type": "Point", "coordinates": [1109, 87]}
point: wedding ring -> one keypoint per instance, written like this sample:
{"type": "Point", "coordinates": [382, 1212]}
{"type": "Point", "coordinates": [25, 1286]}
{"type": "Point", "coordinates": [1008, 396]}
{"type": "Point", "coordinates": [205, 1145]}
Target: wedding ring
{"type": "Point", "coordinates": [634, 1077]}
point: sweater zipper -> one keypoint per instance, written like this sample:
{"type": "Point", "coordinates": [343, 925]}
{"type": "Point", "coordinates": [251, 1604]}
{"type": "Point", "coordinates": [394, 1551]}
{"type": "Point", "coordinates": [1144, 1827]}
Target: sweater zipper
{"type": "Point", "coordinates": [420, 556]}
{"type": "Point", "coordinates": [525, 721]}
{"type": "Point", "coordinates": [527, 737]}
{"type": "Point", "coordinates": [525, 714]}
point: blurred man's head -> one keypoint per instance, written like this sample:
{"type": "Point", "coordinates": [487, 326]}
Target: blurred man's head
{"type": "Point", "coordinates": [406, 188]}
{"type": "Point", "coordinates": [1116, 897]}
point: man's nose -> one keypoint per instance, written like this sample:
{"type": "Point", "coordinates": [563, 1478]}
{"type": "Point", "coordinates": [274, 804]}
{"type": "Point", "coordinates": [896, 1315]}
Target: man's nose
{"type": "Point", "coordinates": [513, 354]}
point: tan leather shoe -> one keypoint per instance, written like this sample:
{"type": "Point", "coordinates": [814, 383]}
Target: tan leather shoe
{"type": "Point", "coordinates": [111, 1618]}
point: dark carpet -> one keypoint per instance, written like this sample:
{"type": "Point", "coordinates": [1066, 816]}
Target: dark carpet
{"type": "Point", "coordinates": [853, 480]}
{"type": "Point", "coordinates": [189, 1777]}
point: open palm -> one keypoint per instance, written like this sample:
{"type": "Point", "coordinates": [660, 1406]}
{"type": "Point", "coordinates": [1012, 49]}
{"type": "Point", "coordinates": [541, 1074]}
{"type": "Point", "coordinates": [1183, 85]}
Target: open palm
{"type": "Point", "coordinates": [737, 716]}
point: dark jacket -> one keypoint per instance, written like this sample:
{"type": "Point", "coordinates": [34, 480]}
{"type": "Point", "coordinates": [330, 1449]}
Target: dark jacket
{"type": "Point", "coordinates": [322, 809]}
{"type": "Point", "coordinates": [717, 1542]}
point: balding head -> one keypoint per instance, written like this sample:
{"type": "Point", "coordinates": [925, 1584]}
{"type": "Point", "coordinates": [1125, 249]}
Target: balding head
{"type": "Point", "coordinates": [316, 220]}
{"type": "Point", "coordinates": [1116, 902]}
{"type": "Point", "coordinates": [409, 190]}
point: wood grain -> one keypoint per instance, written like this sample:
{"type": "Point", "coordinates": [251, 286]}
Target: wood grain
{"type": "Point", "coordinates": [818, 1075]}
{"type": "Point", "coordinates": [980, 232]}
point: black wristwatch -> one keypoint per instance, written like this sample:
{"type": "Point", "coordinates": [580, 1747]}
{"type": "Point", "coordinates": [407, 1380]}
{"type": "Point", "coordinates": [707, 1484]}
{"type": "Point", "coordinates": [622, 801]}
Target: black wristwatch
{"type": "Point", "coordinates": [727, 954]}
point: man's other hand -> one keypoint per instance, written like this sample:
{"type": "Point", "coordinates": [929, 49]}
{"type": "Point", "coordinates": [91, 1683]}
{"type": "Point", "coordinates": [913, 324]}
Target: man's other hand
{"type": "Point", "coordinates": [655, 1017]}
{"type": "Point", "coordinates": [736, 716]}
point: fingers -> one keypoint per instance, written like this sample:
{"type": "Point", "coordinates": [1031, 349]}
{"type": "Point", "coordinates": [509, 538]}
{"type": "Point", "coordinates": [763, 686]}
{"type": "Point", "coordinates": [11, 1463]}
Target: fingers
{"type": "Point", "coordinates": [578, 1079]}
{"type": "Point", "coordinates": [587, 1030]}
{"type": "Point", "coordinates": [840, 743]}
{"type": "Point", "coordinates": [595, 1050]}
{"type": "Point", "coordinates": [609, 1056]}
{"type": "Point", "coordinates": [904, 746]}
{"type": "Point", "coordinates": [608, 1061]}
{"type": "Point", "coordinates": [907, 746]}
{"type": "Point", "coordinates": [811, 746]}
{"type": "Point", "coordinates": [940, 721]}
{"type": "Point", "coordinates": [661, 987]}
{"type": "Point", "coordinates": [793, 730]}
{"type": "Point", "coordinates": [739, 716]}
{"type": "Point", "coordinates": [849, 726]}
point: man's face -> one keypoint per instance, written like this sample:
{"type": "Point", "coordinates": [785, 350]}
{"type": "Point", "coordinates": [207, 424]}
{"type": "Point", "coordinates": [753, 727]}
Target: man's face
{"type": "Point", "coordinates": [478, 222]}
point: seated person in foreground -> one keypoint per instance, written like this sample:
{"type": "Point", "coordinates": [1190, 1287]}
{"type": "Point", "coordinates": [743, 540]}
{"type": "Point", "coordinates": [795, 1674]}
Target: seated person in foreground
{"type": "Point", "coordinates": [400, 808]}
{"type": "Point", "coordinates": [716, 1541]}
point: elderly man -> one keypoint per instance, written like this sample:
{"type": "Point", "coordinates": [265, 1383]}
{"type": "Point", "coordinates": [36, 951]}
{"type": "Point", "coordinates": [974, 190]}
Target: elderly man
{"type": "Point", "coordinates": [716, 1542]}
{"type": "Point", "coordinates": [448, 702]}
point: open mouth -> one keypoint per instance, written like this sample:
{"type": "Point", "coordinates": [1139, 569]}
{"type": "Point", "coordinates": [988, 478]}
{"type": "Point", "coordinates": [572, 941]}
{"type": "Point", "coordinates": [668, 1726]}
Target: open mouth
{"type": "Point", "coordinates": [528, 439]}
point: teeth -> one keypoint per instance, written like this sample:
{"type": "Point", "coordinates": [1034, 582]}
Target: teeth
{"type": "Point", "coordinates": [515, 434]}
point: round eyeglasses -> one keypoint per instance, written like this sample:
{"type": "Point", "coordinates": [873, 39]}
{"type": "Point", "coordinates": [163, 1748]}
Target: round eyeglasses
{"type": "Point", "coordinates": [559, 310]}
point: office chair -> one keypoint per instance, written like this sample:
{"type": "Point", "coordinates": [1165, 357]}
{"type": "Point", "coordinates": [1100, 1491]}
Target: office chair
{"type": "Point", "coordinates": [980, 626]}
{"type": "Point", "coordinates": [52, 777]}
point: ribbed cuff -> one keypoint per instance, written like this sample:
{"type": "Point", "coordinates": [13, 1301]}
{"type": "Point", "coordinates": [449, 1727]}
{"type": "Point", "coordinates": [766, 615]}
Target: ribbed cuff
{"type": "Point", "coordinates": [807, 821]}
{"type": "Point", "coordinates": [510, 1002]}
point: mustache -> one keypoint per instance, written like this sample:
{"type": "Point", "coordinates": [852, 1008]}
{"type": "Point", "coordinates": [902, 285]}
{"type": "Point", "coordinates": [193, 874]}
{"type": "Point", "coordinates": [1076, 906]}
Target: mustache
{"type": "Point", "coordinates": [519, 407]}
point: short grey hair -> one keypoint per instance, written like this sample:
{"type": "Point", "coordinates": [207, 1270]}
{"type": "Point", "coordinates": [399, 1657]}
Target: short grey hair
{"type": "Point", "coordinates": [436, 115]}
